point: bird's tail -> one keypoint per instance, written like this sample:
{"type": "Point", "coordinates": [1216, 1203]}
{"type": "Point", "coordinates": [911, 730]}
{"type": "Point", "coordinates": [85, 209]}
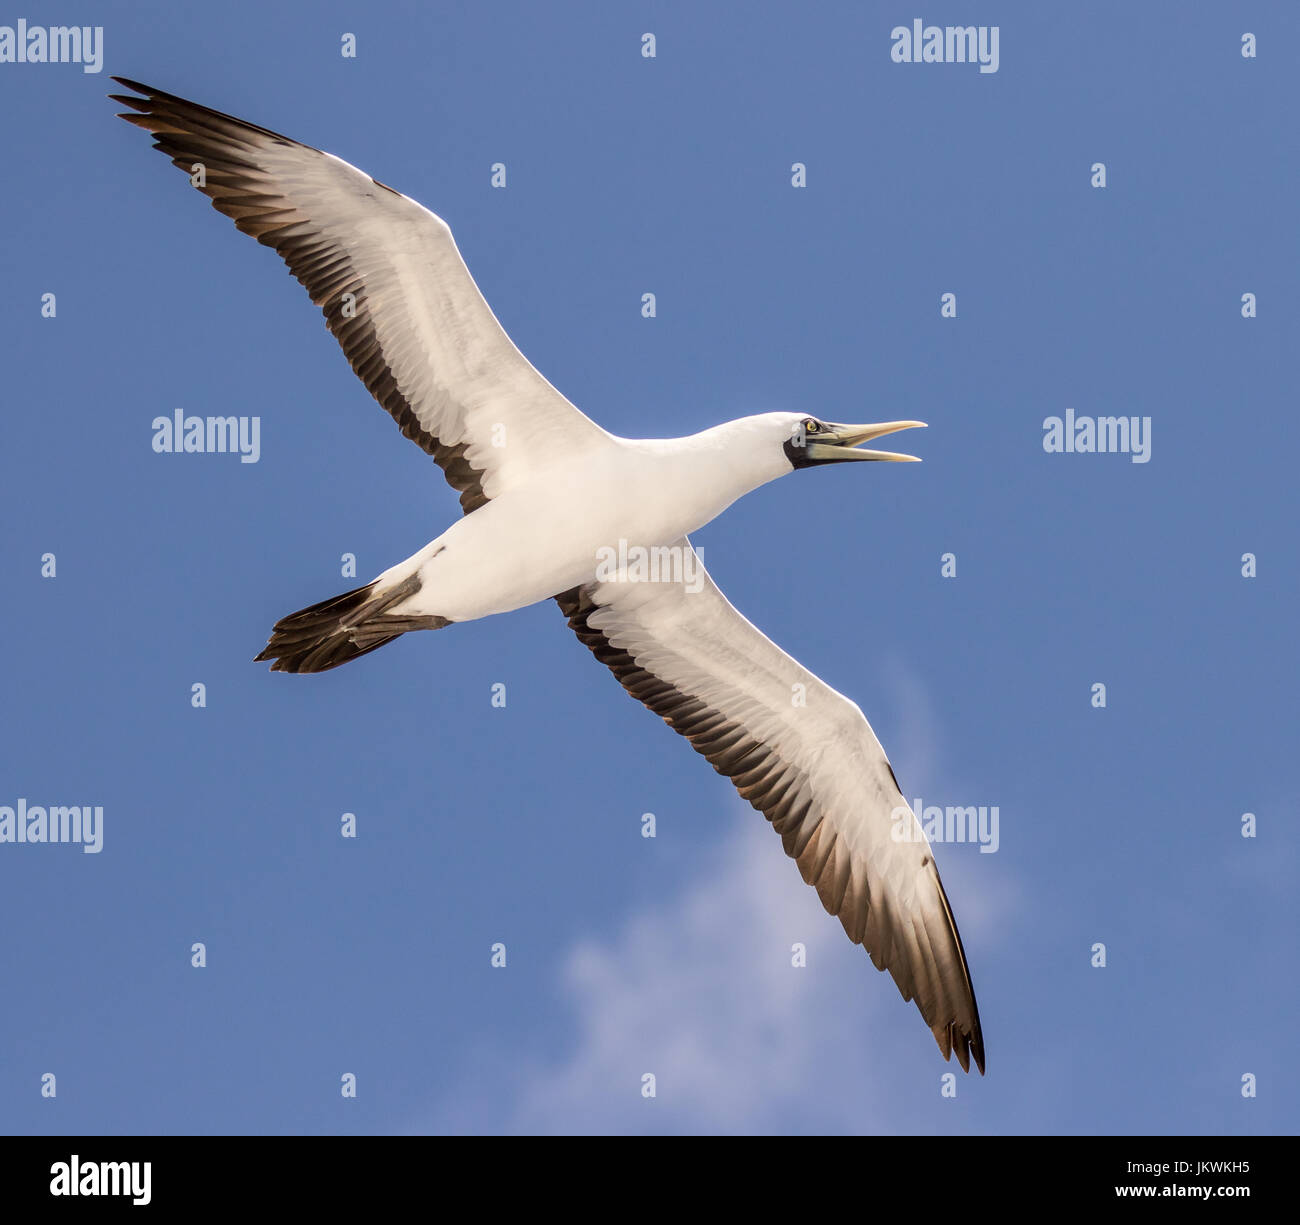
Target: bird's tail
{"type": "Point", "coordinates": [337, 631]}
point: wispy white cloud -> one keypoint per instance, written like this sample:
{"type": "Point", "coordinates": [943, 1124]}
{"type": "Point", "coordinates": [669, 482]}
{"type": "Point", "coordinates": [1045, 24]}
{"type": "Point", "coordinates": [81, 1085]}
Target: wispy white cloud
{"type": "Point", "coordinates": [700, 991]}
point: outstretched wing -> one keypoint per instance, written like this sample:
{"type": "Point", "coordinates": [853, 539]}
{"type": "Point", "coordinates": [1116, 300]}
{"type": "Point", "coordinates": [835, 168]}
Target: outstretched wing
{"type": "Point", "coordinates": [394, 290]}
{"type": "Point", "coordinates": [813, 767]}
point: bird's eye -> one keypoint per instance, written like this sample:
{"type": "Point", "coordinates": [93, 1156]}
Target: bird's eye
{"type": "Point", "coordinates": [810, 426]}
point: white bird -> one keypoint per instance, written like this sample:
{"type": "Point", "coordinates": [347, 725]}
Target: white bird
{"type": "Point", "coordinates": [554, 506]}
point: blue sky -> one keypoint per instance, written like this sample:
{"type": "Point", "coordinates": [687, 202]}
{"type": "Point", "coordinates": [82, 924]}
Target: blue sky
{"type": "Point", "coordinates": [669, 175]}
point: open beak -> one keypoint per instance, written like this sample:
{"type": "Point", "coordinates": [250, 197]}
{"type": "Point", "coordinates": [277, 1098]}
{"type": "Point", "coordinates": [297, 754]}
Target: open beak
{"type": "Point", "coordinates": [843, 442]}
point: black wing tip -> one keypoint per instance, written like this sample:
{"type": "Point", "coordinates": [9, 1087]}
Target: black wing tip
{"type": "Point", "coordinates": [964, 1045]}
{"type": "Point", "coordinates": [137, 104]}
{"type": "Point", "coordinates": [972, 1041]}
{"type": "Point", "coordinates": [141, 95]}
{"type": "Point", "coordinates": [154, 102]}
{"type": "Point", "coordinates": [148, 92]}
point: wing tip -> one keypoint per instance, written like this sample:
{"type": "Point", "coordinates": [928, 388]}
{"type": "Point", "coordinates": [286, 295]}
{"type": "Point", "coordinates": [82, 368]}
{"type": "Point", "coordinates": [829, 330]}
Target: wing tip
{"type": "Point", "coordinates": [161, 108]}
{"type": "Point", "coordinates": [964, 1045]}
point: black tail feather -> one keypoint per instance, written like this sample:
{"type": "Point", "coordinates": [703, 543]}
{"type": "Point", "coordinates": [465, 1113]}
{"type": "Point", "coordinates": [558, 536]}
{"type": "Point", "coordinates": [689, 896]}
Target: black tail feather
{"type": "Point", "coordinates": [341, 629]}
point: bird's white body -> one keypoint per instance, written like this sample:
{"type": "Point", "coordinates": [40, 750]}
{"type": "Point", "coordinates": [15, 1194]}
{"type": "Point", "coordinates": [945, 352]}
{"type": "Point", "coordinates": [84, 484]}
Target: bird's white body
{"type": "Point", "coordinates": [543, 537]}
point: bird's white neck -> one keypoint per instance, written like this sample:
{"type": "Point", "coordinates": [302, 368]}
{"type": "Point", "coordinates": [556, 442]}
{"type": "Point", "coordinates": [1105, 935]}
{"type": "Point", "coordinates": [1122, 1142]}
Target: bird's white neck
{"type": "Point", "coordinates": [710, 470]}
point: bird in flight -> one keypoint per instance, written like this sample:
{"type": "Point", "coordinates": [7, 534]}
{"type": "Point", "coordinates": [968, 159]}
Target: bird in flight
{"type": "Point", "coordinates": [556, 507]}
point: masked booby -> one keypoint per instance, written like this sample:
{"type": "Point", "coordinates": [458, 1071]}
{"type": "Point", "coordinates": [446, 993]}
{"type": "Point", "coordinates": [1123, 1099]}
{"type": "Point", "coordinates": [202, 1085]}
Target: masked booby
{"type": "Point", "coordinates": [546, 494]}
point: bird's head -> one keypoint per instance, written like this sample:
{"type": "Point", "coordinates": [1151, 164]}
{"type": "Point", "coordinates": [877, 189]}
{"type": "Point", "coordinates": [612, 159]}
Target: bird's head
{"type": "Point", "coordinates": [751, 451]}
{"type": "Point", "coordinates": [809, 442]}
